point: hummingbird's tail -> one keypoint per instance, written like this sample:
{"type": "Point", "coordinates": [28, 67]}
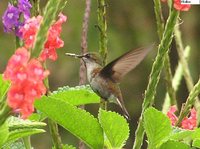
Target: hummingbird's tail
{"type": "Point", "coordinates": [120, 102]}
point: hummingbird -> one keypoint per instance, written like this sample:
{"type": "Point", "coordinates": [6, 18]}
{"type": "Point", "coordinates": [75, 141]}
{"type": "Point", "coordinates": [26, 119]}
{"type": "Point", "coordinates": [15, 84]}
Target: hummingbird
{"type": "Point", "coordinates": [104, 80]}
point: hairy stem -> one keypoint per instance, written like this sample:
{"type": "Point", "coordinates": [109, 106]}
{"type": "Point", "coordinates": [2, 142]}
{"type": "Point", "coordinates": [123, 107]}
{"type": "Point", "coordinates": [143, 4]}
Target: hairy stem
{"type": "Point", "coordinates": [189, 102]}
{"type": "Point", "coordinates": [186, 70]}
{"type": "Point", "coordinates": [176, 80]}
{"type": "Point", "coordinates": [155, 74]}
{"type": "Point", "coordinates": [102, 26]}
{"type": "Point", "coordinates": [168, 73]}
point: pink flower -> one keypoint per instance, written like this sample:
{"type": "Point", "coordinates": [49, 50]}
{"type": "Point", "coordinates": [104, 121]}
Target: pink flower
{"type": "Point", "coordinates": [181, 7]}
{"type": "Point", "coordinates": [188, 122]}
{"type": "Point", "coordinates": [171, 115]}
{"type": "Point", "coordinates": [29, 30]}
{"type": "Point", "coordinates": [53, 42]}
{"type": "Point", "coordinates": [26, 78]}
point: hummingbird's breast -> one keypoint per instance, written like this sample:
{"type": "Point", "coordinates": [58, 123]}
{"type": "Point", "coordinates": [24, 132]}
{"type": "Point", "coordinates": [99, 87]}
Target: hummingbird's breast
{"type": "Point", "coordinates": [104, 87]}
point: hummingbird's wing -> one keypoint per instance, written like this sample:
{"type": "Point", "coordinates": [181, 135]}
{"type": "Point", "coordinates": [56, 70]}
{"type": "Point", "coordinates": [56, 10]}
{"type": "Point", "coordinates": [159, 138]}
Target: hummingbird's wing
{"type": "Point", "coordinates": [116, 69]}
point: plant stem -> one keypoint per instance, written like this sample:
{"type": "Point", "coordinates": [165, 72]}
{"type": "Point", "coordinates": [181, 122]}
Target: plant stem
{"type": "Point", "coordinates": [189, 102]}
{"type": "Point", "coordinates": [155, 74]}
{"type": "Point", "coordinates": [102, 26]}
{"type": "Point", "coordinates": [168, 73]}
{"type": "Point", "coordinates": [4, 113]}
{"type": "Point", "coordinates": [54, 134]}
{"type": "Point", "coordinates": [27, 142]}
{"type": "Point", "coordinates": [186, 70]}
{"type": "Point", "coordinates": [49, 16]}
{"type": "Point", "coordinates": [176, 80]}
{"type": "Point", "coordinates": [159, 18]}
{"type": "Point", "coordinates": [84, 45]}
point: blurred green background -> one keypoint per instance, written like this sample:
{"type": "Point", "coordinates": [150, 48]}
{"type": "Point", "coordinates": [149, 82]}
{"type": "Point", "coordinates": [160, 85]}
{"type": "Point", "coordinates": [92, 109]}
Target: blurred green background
{"type": "Point", "coordinates": [131, 24]}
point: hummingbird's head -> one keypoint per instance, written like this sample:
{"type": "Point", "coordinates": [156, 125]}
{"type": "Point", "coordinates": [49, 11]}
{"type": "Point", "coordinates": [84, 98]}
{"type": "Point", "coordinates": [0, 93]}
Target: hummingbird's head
{"type": "Point", "coordinates": [92, 57]}
{"type": "Point", "coordinates": [88, 58]}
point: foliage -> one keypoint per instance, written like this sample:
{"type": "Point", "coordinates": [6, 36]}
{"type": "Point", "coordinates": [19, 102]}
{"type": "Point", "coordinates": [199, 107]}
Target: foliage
{"type": "Point", "coordinates": [27, 89]}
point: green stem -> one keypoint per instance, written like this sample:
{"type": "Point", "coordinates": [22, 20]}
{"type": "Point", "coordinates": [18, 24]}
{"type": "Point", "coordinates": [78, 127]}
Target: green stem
{"type": "Point", "coordinates": [186, 70]}
{"type": "Point", "coordinates": [17, 42]}
{"type": "Point", "coordinates": [4, 113]}
{"type": "Point", "coordinates": [168, 73]}
{"type": "Point", "coordinates": [168, 76]}
{"type": "Point", "coordinates": [159, 18]}
{"type": "Point", "coordinates": [54, 134]}
{"type": "Point", "coordinates": [102, 25]}
{"type": "Point", "coordinates": [27, 142]}
{"type": "Point", "coordinates": [49, 16]}
{"type": "Point", "coordinates": [155, 74]}
{"type": "Point", "coordinates": [175, 81]}
{"type": "Point", "coordinates": [180, 50]}
{"type": "Point", "coordinates": [189, 102]}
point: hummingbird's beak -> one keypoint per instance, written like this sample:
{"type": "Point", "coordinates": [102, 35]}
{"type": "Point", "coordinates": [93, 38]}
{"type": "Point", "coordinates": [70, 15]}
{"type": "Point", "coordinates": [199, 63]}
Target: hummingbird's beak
{"type": "Point", "coordinates": [74, 55]}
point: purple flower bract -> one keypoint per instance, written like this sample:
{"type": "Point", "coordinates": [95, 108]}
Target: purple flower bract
{"type": "Point", "coordinates": [10, 18]}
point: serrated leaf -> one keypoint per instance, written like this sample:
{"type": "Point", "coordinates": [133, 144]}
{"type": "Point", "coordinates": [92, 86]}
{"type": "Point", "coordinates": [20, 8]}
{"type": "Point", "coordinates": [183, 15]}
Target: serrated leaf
{"type": "Point", "coordinates": [79, 122]}
{"type": "Point", "coordinates": [17, 123]}
{"type": "Point", "coordinates": [157, 127]}
{"type": "Point", "coordinates": [4, 133]}
{"type": "Point", "coordinates": [180, 134]}
{"type": "Point", "coordinates": [20, 133]}
{"type": "Point", "coordinates": [78, 95]}
{"type": "Point", "coordinates": [174, 145]}
{"type": "Point", "coordinates": [4, 86]}
{"type": "Point", "coordinates": [14, 145]}
{"type": "Point", "coordinates": [196, 143]}
{"type": "Point", "coordinates": [115, 127]}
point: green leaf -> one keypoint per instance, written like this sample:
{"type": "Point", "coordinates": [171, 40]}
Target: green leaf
{"type": "Point", "coordinates": [196, 143]}
{"type": "Point", "coordinates": [157, 127]}
{"type": "Point", "coordinates": [20, 133]}
{"type": "Point", "coordinates": [78, 95]}
{"type": "Point", "coordinates": [180, 134]}
{"type": "Point", "coordinates": [19, 128]}
{"type": "Point", "coordinates": [4, 86]}
{"type": "Point", "coordinates": [14, 145]}
{"type": "Point", "coordinates": [37, 117]}
{"type": "Point", "coordinates": [174, 145]}
{"type": "Point", "coordinates": [15, 123]}
{"type": "Point", "coordinates": [115, 127]}
{"type": "Point", "coordinates": [79, 122]}
{"type": "Point", "coordinates": [4, 133]}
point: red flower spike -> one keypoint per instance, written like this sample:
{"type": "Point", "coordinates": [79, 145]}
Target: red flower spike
{"type": "Point", "coordinates": [190, 122]}
{"type": "Point", "coordinates": [171, 115]}
{"type": "Point", "coordinates": [187, 123]}
{"type": "Point", "coordinates": [181, 7]}
{"type": "Point", "coordinates": [18, 60]}
{"type": "Point", "coordinates": [26, 78]}
{"type": "Point", "coordinates": [29, 30]}
{"type": "Point", "coordinates": [53, 42]}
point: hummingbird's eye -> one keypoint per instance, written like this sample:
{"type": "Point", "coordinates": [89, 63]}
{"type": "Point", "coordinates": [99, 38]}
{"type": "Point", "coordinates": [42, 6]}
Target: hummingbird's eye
{"type": "Point", "coordinates": [87, 55]}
